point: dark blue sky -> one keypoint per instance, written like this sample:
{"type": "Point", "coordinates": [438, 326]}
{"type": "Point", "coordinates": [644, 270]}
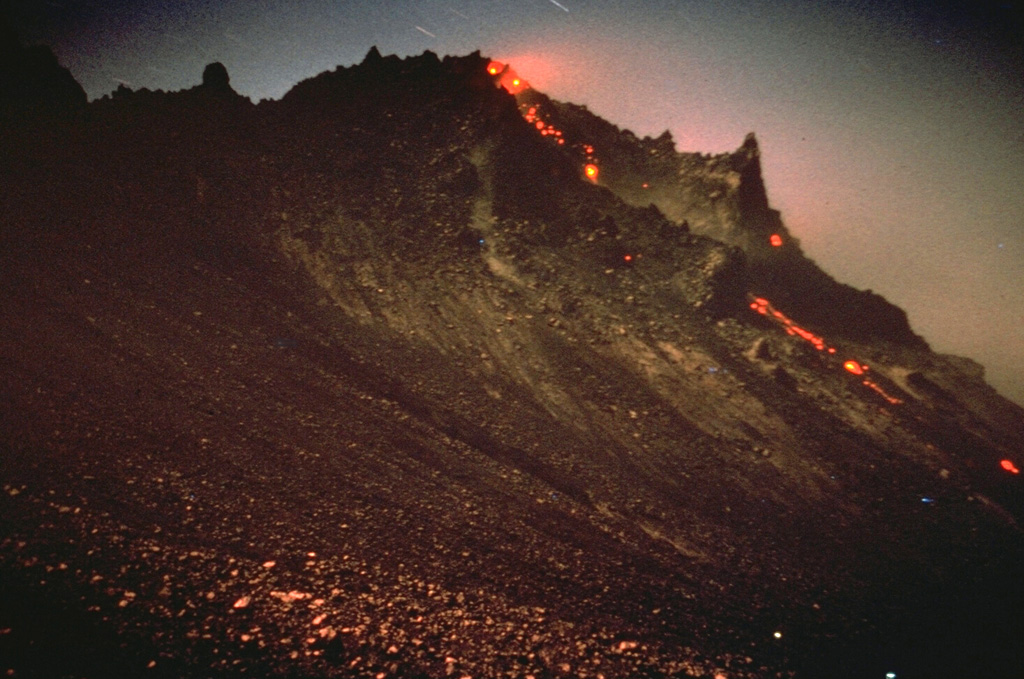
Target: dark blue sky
{"type": "Point", "coordinates": [892, 132]}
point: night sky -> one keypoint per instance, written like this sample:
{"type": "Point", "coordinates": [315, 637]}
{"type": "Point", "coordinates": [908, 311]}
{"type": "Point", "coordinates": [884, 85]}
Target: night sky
{"type": "Point", "coordinates": [892, 133]}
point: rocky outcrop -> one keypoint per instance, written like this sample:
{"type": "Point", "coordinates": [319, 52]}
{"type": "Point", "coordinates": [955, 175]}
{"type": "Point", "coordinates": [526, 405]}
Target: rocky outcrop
{"type": "Point", "coordinates": [723, 197]}
{"type": "Point", "coordinates": [215, 77]}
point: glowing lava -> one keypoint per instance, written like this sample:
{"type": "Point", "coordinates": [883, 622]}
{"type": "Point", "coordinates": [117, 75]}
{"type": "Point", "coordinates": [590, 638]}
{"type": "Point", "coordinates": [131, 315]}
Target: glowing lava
{"type": "Point", "coordinates": [1009, 466]}
{"type": "Point", "coordinates": [765, 308]}
{"type": "Point", "coordinates": [873, 386]}
{"type": "Point", "coordinates": [507, 78]}
{"type": "Point", "coordinates": [775, 240]}
{"type": "Point", "coordinates": [532, 115]}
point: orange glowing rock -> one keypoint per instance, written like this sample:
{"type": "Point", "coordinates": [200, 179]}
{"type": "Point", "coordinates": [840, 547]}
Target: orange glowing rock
{"type": "Point", "coordinates": [1009, 466]}
{"type": "Point", "coordinates": [512, 83]}
{"type": "Point", "coordinates": [775, 240]}
{"type": "Point", "coordinates": [854, 367]}
{"type": "Point", "coordinates": [507, 77]}
{"type": "Point", "coordinates": [591, 171]}
{"type": "Point", "coordinates": [627, 258]}
{"type": "Point", "coordinates": [242, 602]}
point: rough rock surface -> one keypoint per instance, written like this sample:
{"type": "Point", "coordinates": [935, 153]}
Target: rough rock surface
{"type": "Point", "coordinates": [372, 382]}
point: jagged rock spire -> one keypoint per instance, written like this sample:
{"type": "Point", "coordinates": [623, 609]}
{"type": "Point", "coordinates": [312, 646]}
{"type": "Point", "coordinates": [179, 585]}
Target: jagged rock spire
{"type": "Point", "coordinates": [215, 77]}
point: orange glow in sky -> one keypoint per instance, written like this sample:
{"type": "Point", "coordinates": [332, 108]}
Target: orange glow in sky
{"type": "Point", "coordinates": [542, 70]}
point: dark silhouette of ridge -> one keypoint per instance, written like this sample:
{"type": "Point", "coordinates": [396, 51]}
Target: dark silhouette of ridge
{"type": "Point", "coordinates": [32, 83]}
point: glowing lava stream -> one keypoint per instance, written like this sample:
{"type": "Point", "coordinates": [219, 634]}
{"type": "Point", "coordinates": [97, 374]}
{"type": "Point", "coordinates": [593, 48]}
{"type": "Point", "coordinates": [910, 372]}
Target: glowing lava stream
{"type": "Point", "coordinates": [507, 78]}
{"type": "Point", "coordinates": [765, 308]}
{"type": "Point", "coordinates": [531, 114]}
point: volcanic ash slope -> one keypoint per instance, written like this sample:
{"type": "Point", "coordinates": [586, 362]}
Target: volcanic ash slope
{"type": "Point", "coordinates": [373, 381]}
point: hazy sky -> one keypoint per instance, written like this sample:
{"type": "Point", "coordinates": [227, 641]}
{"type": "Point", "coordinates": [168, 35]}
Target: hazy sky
{"type": "Point", "coordinates": [892, 133]}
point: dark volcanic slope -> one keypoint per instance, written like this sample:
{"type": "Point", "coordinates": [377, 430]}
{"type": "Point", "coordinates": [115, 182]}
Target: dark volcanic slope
{"type": "Point", "coordinates": [371, 381]}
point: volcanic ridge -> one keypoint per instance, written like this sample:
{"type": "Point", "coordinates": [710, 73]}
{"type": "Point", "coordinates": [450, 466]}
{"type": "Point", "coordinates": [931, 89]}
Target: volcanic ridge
{"type": "Point", "coordinates": [417, 372]}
